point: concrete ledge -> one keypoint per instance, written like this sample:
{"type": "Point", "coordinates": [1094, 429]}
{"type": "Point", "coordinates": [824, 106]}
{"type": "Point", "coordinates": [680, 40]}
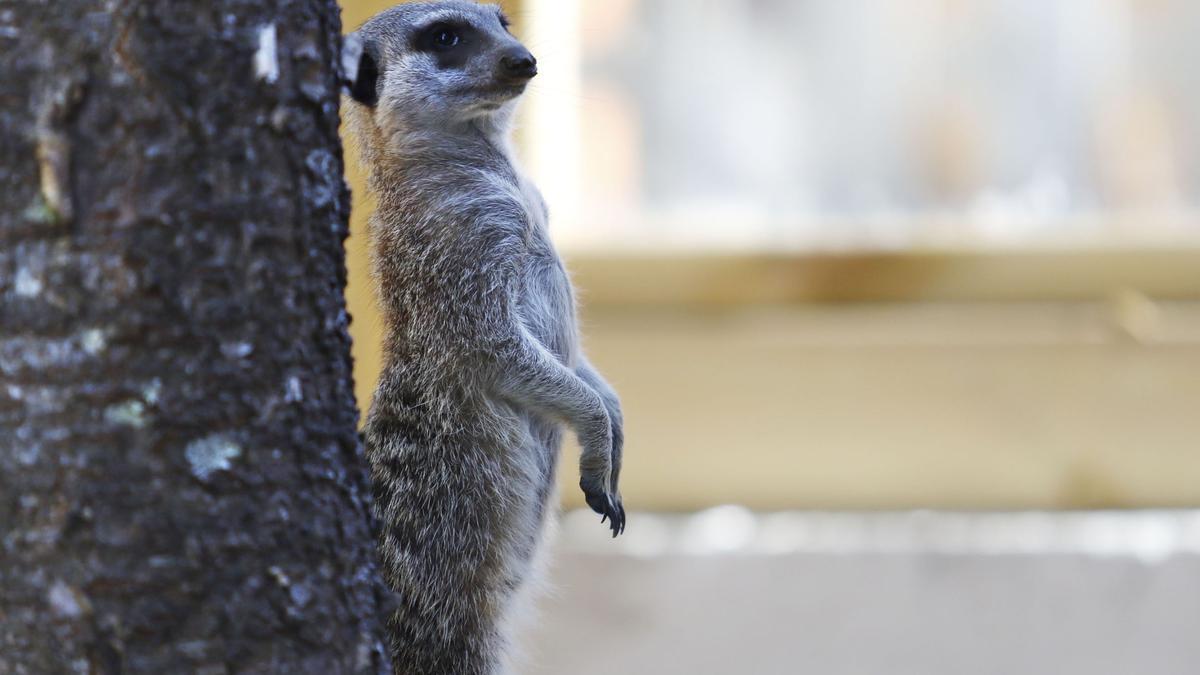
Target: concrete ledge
{"type": "Point", "coordinates": [730, 592]}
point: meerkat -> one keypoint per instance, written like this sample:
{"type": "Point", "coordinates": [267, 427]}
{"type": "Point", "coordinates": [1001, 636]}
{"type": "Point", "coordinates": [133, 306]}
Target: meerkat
{"type": "Point", "coordinates": [483, 367]}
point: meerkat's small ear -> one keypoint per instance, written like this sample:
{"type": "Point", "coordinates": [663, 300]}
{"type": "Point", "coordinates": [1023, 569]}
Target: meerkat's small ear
{"type": "Point", "coordinates": [360, 70]}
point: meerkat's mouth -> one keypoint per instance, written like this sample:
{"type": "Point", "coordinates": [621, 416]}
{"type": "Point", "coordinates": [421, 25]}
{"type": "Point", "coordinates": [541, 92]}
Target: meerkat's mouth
{"type": "Point", "coordinates": [491, 97]}
{"type": "Point", "coordinates": [502, 92]}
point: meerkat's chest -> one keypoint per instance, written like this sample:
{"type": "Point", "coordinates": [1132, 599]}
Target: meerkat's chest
{"type": "Point", "coordinates": [547, 306]}
{"type": "Point", "coordinates": [547, 303]}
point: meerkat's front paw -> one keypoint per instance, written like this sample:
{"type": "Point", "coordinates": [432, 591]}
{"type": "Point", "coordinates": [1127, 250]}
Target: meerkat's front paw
{"type": "Point", "coordinates": [609, 506]}
{"type": "Point", "coordinates": [602, 495]}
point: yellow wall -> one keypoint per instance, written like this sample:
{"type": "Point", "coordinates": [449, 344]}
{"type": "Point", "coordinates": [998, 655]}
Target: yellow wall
{"type": "Point", "coordinates": [365, 327]}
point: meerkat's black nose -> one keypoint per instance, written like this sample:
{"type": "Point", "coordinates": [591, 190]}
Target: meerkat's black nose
{"type": "Point", "coordinates": [518, 64]}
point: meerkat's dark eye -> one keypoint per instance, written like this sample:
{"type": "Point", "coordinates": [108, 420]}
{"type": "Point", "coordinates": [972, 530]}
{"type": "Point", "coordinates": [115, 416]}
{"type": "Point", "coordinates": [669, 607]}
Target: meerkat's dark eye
{"type": "Point", "coordinates": [451, 43]}
{"type": "Point", "coordinates": [445, 38]}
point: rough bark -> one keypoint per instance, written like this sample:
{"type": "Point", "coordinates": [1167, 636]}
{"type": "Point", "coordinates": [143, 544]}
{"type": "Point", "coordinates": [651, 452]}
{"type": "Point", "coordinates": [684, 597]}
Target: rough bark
{"type": "Point", "coordinates": [181, 484]}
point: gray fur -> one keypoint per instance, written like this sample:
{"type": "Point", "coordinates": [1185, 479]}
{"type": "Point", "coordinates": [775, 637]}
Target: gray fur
{"type": "Point", "coordinates": [482, 360]}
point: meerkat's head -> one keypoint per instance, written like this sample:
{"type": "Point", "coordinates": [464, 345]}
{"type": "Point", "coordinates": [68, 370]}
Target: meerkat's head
{"type": "Point", "coordinates": [434, 66]}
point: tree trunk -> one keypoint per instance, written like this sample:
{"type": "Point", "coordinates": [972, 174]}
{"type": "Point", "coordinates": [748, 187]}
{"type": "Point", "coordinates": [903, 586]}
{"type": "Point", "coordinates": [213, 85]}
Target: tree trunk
{"type": "Point", "coordinates": [181, 484]}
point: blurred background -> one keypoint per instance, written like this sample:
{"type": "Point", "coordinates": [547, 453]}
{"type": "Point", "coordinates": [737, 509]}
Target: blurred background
{"type": "Point", "coordinates": [903, 301]}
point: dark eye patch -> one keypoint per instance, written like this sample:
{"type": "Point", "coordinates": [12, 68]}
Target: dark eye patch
{"type": "Point", "coordinates": [365, 87]}
{"type": "Point", "coordinates": [451, 42]}
{"type": "Point", "coordinates": [504, 22]}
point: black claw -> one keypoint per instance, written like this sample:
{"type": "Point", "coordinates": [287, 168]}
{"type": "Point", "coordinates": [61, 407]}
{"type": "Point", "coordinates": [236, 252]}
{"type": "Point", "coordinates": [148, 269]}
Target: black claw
{"type": "Point", "coordinates": [618, 517]}
{"type": "Point", "coordinates": [610, 509]}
